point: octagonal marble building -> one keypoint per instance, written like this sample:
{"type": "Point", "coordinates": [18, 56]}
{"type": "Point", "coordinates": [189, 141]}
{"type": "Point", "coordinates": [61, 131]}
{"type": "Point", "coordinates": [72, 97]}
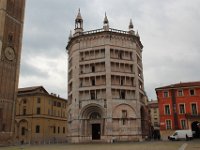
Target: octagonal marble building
{"type": "Point", "coordinates": [105, 84]}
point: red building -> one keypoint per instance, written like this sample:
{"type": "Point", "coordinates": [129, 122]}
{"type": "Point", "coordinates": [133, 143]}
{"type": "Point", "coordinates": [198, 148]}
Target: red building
{"type": "Point", "coordinates": [179, 107]}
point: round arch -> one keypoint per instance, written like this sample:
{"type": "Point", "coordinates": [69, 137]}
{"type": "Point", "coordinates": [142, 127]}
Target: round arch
{"type": "Point", "coordinates": [90, 109]}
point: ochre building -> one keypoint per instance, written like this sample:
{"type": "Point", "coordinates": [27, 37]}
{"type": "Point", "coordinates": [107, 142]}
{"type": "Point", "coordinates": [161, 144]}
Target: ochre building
{"type": "Point", "coordinates": [179, 107]}
{"type": "Point", "coordinates": [155, 118]}
{"type": "Point", "coordinates": [105, 84]}
{"type": "Point", "coordinates": [11, 27]}
{"type": "Point", "coordinates": [40, 117]}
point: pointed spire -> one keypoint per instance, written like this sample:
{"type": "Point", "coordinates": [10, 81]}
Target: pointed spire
{"type": "Point", "coordinates": [137, 34]}
{"type": "Point", "coordinates": [79, 15]}
{"type": "Point", "coordinates": [106, 23]}
{"type": "Point", "coordinates": [78, 23]}
{"type": "Point", "coordinates": [131, 25]}
{"type": "Point", "coordinates": [105, 20]}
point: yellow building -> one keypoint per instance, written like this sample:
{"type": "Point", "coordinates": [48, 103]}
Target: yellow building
{"type": "Point", "coordinates": [40, 117]}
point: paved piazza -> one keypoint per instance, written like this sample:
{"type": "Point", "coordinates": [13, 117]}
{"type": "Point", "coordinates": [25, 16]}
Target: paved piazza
{"type": "Point", "coordinates": [153, 145]}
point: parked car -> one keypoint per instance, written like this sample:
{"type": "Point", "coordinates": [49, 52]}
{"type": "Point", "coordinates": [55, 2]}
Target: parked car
{"type": "Point", "coordinates": [181, 134]}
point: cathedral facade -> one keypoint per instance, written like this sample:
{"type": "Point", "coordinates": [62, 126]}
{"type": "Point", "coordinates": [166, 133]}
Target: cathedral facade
{"type": "Point", "coordinates": [11, 27]}
{"type": "Point", "coordinates": [105, 84]}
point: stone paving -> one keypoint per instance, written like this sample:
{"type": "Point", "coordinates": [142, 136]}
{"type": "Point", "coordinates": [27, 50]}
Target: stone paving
{"type": "Point", "coordinates": [150, 145]}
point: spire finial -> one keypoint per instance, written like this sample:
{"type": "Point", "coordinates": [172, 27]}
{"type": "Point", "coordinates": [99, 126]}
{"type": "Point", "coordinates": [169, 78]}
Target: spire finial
{"type": "Point", "coordinates": [137, 34]}
{"type": "Point", "coordinates": [105, 19]}
{"type": "Point", "coordinates": [131, 25]}
{"type": "Point", "coordinates": [79, 15]}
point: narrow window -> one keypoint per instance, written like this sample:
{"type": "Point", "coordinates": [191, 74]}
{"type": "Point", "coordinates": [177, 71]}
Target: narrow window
{"type": "Point", "coordinates": [37, 129]}
{"type": "Point", "coordinates": [194, 109]}
{"type": "Point", "coordinates": [192, 92]}
{"type": "Point", "coordinates": [24, 111]}
{"type": "Point", "coordinates": [182, 108]}
{"type": "Point", "coordinates": [23, 131]}
{"type": "Point", "coordinates": [122, 82]}
{"type": "Point", "coordinates": [124, 113]}
{"type": "Point", "coordinates": [58, 129]}
{"type": "Point", "coordinates": [124, 117]}
{"type": "Point", "coordinates": [183, 124]}
{"type": "Point", "coordinates": [92, 94]}
{"type": "Point", "coordinates": [166, 94]}
{"type": "Point", "coordinates": [122, 94]}
{"type": "Point", "coordinates": [93, 81]}
{"type": "Point", "coordinates": [167, 110]}
{"type": "Point", "coordinates": [38, 110]}
{"type": "Point", "coordinates": [93, 68]}
{"type": "Point", "coordinates": [168, 124]}
{"type": "Point", "coordinates": [63, 129]}
{"type": "Point", "coordinates": [180, 92]}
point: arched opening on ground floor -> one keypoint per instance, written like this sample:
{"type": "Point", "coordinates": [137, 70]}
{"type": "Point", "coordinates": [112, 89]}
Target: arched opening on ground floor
{"type": "Point", "coordinates": [196, 129]}
{"type": "Point", "coordinates": [92, 124]}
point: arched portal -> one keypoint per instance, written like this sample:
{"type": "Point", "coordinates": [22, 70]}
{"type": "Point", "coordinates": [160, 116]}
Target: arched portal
{"type": "Point", "coordinates": [92, 124]}
{"type": "Point", "coordinates": [196, 129]}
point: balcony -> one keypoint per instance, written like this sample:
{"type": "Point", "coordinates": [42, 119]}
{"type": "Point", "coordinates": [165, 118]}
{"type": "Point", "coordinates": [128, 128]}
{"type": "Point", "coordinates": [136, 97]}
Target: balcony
{"type": "Point", "coordinates": [190, 115]}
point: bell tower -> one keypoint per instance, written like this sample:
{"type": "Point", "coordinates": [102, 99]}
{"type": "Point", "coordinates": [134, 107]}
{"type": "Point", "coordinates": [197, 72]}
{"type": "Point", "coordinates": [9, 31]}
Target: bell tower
{"type": "Point", "coordinates": [11, 27]}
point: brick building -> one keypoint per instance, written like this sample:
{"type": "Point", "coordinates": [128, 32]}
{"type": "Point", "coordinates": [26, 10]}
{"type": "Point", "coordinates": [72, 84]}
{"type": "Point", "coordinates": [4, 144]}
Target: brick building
{"type": "Point", "coordinates": [40, 117]}
{"type": "Point", "coordinates": [105, 85]}
{"type": "Point", "coordinates": [11, 28]}
{"type": "Point", "coordinates": [179, 106]}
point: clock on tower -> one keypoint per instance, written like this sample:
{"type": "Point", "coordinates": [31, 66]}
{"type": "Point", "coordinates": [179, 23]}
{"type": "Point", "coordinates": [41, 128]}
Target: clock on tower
{"type": "Point", "coordinates": [11, 27]}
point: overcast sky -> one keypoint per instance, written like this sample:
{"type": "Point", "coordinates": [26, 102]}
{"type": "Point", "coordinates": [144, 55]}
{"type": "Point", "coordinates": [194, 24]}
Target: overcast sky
{"type": "Point", "coordinates": [169, 31]}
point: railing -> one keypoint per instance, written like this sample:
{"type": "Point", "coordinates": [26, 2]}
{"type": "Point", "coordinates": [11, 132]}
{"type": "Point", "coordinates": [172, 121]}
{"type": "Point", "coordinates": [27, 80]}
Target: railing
{"type": "Point", "coordinates": [101, 30]}
{"type": "Point", "coordinates": [190, 115]}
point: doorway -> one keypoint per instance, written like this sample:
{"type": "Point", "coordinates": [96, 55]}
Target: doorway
{"type": "Point", "coordinates": [96, 131]}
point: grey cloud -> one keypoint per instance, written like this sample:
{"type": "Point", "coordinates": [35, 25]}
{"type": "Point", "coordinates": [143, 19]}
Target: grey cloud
{"type": "Point", "coordinates": [168, 29]}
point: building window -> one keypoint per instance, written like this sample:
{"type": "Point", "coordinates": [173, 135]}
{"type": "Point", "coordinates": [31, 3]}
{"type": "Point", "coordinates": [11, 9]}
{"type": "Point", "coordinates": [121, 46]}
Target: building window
{"type": "Point", "coordinates": [122, 94]}
{"type": "Point", "coordinates": [155, 110]}
{"type": "Point", "coordinates": [124, 116]}
{"type": "Point", "coordinates": [92, 94]}
{"type": "Point", "coordinates": [180, 92]}
{"type": "Point", "coordinates": [192, 92]}
{"type": "Point", "coordinates": [38, 110]}
{"type": "Point", "coordinates": [23, 131]}
{"type": "Point", "coordinates": [93, 81]}
{"type": "Point", "coordinates": [181, 108]}
{"type": "Point", "coordinates": [166, 94]}
{"type": "Point", "coordinates": [183, 124]}
{"type": "Point", "coordinates": [63, 129]}
{"type": "Point", "coordinates": [194, 109]}
{"type": "Point", "coordinates": [93, 68]}
{"type": "Point", "coordinates": [167, 110]}
{"type": "Point", "coordinates": [124, 113]}
{"type": "Point", "coordinates": [168, 124]}
{"type": "Point", "coordinates": [58, 129]}
{"type": "Point", "coordinates": [24, 111]}
{"type": "Point", "coordinates": [37, 129]}
{"type": "Point", "coordinates": [38, 100]}
{"type": "Point", "coordinates": [122, 82]}
{"type": "Point", "coordinates": [54, 103]}
{"type": "Point", "coordinates": [58, 104]}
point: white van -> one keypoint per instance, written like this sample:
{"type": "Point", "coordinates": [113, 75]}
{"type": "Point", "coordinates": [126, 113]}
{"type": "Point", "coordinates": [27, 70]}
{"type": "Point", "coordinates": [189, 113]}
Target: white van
{"type": "Point", "coordinates": [181, 134]}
